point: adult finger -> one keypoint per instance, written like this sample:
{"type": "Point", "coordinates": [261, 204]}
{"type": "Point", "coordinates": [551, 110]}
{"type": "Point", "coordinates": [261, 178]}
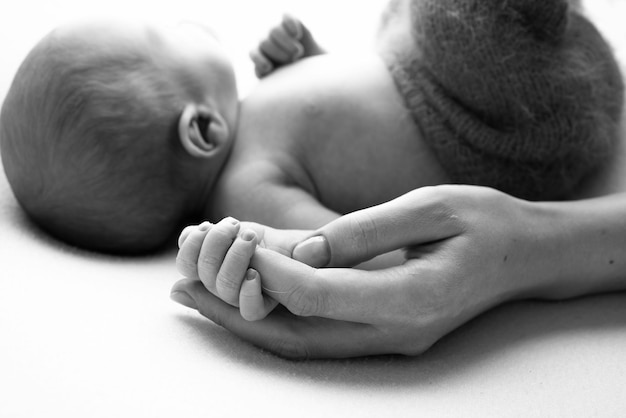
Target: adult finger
{"type": "Point", "coordinates": [418, 217]}
{"type": "Point", "coordinates": [342, 294]}
{"type": "Point", "coordinates": [284, 334]}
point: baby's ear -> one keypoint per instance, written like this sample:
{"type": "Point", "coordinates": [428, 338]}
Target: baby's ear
{"type": "Point", "coordinates": [202, 131]}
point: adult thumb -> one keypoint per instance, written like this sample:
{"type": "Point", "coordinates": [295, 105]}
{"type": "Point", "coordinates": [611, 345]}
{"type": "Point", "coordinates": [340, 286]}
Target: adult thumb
{"type": "Point", "coordinates": [418, 217]}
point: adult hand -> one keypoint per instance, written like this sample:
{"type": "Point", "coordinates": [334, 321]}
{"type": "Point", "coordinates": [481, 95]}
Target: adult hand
{"type": "Point", "coordinates": [467, 250]}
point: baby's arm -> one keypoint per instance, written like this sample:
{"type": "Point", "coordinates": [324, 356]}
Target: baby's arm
{"type": "Point", "coordinates": [286, 43]}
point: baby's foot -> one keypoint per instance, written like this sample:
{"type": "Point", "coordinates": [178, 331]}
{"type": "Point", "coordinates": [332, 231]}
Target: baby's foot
{"type": "Point", "coordinates": [285, 44]}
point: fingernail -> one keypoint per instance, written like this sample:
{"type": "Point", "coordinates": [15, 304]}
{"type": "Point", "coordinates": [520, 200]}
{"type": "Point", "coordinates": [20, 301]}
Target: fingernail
{"type": "Point", "coordinates": [315, 252]}
{"type": "Point", "coordinates": [204, 226]}
{"type": "Point", "coordinates": [184, 299]}
{"type": "Point", "coordinates": [248, 235]}
{"type": "Point", "coordinates": [251, 274]}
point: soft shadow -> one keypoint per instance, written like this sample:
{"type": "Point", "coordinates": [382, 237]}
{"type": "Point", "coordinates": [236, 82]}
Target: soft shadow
{"type": "Point", "coordinates": [500, 332]}
{"type": "Point", "coordinates": [19, 220]}
{"type": "Point", "coordinates": [497, 333]}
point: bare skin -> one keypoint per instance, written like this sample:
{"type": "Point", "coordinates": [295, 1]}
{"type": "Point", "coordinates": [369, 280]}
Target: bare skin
{"type": "Point", "coordinates": [306, 125]}
{"type": "Point", "coordinates": [311, 123]}
{"type": "Point", "coordinates": [470, 248]}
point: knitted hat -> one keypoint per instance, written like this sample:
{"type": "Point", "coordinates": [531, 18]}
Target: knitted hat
{"type": "Point", "coordinates": [521, 95]}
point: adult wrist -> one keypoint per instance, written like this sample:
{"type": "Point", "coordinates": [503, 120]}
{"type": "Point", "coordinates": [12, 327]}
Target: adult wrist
{"type": "Point", "coordinates": [545, 239]}
{"type": "Point", "coordinates": [579, 247]}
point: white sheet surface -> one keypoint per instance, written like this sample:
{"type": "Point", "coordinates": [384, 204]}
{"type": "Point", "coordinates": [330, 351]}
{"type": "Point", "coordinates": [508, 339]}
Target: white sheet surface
{"type": "Point", "coordinates": [95, 336]}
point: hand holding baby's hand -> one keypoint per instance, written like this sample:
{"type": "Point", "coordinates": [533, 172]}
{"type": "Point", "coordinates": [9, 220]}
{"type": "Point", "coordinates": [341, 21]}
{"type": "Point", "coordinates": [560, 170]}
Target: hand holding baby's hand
{"type": "Point", "coordinates": [219, 255]}
{"type": "Point", "coordinates": [286, 43]}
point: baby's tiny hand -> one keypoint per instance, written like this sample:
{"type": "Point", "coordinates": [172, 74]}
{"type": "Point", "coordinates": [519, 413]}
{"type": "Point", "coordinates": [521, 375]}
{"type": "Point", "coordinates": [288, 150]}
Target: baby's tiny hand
{"type": "Point", "coordinates": [286, 43]}
{"type": "Point", "coordinates": [219, 255]}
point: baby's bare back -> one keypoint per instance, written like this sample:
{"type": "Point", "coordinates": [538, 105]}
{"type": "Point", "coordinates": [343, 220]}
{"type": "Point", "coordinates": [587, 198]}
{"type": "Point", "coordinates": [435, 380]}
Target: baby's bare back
{"type": "Point", "coordinates": [335, 127]}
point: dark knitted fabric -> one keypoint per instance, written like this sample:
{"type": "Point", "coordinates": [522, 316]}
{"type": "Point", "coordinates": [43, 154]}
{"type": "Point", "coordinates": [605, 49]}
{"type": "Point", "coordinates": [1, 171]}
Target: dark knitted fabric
{"type": "Point", "coordinates": [521, 95]}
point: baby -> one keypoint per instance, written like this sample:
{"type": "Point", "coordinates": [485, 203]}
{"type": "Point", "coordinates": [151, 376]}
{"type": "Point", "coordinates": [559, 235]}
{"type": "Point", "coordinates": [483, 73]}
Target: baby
{"type": "Point", "coordinates": [114, 135]}
{"type": "Point", "coordinates": [221, 255]}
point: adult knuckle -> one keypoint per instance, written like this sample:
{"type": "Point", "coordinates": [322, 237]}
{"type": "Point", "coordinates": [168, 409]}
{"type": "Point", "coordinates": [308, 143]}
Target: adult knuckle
{"type": "Point", "coordinates": [440, 199]}
{"type": "Point", "coordinates": [445, 205]}
{"type": "Point", "coordinates": [363, 231]}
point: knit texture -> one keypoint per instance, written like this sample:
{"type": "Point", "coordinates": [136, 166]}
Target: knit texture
{"type": "Point", "coordinates": [521, 95]}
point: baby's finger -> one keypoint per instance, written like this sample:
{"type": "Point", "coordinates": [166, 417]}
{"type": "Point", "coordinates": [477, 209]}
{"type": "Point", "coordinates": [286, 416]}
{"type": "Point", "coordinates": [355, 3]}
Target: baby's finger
{"type": "Point", "coordinates": [234, 267]}
{"type": "Point", "coordinates": [214, 248]}
{"type": "Point", "coordinates": [262, 65]}
{"type": "Point", "coordinates": [253, 304]}
{"type": "Point", "coordinates": [293, 26]}
{"type": "Point", "coordinates": [286, 42]}
{"type": "Point", "coordinates": [190, 243]}
{"type": "Point", "coordinates": [274, 52]}
{"type": "Point", "coordinates": [205, 226]}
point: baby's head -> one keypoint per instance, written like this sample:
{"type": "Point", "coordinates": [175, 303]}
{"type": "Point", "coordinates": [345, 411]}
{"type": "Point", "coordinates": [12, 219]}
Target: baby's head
{"type": "Point", "coordinates": [113, 134]}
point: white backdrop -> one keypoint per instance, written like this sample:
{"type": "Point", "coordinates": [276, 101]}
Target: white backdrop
{"type": "Point", "coordinates": [340, 25]}
{"type": "Point", "coordinates": [85, 335]}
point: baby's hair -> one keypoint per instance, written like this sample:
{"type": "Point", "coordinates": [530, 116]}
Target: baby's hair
{"type": "Point", "coordinates": [89, 145]}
